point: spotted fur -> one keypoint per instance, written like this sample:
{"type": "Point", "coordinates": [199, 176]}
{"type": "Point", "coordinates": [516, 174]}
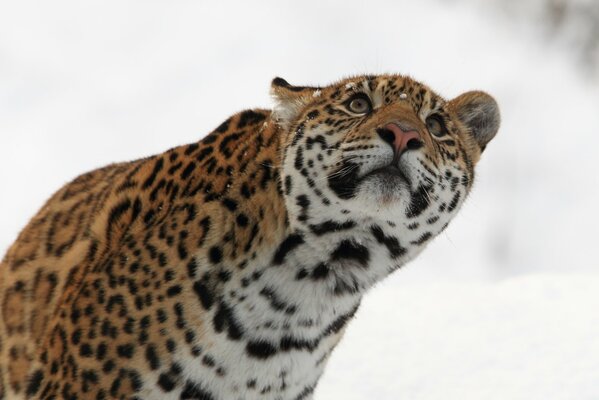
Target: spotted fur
{"type": "Point", "coordinates": [229, 268]}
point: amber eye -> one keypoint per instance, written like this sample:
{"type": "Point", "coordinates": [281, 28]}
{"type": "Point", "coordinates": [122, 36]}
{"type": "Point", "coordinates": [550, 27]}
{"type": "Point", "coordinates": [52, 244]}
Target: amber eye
{"type": "Point", "coordinates": [359, 104]}
{"type": "Point", "coordinates": [435, 125]}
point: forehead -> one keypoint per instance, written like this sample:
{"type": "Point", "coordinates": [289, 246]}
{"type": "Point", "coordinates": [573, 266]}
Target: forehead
{"type": "Point", "coordinates": [387, 85]}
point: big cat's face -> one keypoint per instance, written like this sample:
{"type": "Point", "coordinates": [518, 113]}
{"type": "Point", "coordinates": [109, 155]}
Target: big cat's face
{"type": "Point", "coordinates": [381, 146]}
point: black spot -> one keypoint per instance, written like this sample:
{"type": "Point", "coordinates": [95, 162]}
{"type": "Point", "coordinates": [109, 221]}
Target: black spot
{"type": "Point", "coordinates": [125, 350]}
{"type": "Point", "coordinates": [331, 226]}
{"type": "Point", "coordinates": [89, 376]}
{"type": "Point", "coordinates": [175, 167]}
{"type": "Point", "coordinates": [419, 202]}
{"type": "Point", "coordinates": [208, 361]}
{"type": "Point", "coordinates": [245, 191]}
{"type": "Point", "coordinates": [152, 357]}
{"type": "Point", "coordinates": [150, 214]}
{"type": "Point", "coordinates": [135, 379]}
{"type": "Point", "coordinates": [423, 238]}
{"type": "Point", "coordinates": [391, 242]}
{"type": "Point", "coordinates": [173, 290]}
{"type": "Point", "coordinates": [432, 219]}
{"type": "Point", "coordinates": [136, 209]}
{"type": "Point", "coordinates": [299, 155]}
{"type": "Point", "coordinates": [115, 213]}
{"type": "Point", "coordinates": [205, 152]}
{"type": "Point", "coordinates": [302, 201]}
{"type": "Point", "coordinates": [454, 183]}
{"type": "Point", "coordinates": [301, 274]}
{"type": "Point", "coordinates": [224, 275]}
{"type": "Point", "coordinates": [166, 382]}
{"type": "Point", "coordinates": [35, 381]}
{"type": "Point", "coordinates": [291, 242]}
{"type": "Point", "coordinates": [196, 351]}
{"type": "Point", "coordinates": [344, 181]}
{"type": "Point", "coordinates": [224, 318]}
{"type": "Point", "coordinates": [188, 170]}
{"type": "Point", "coordinates": [108, 366]}
{"type": "Point", "coordinates": [288, 184]}
{"type": "Point", "coordinates": [101, 351]}
{"type": "Point", "coordinates": [169, 275]}
{"type": "Point", "coordinates": [114, 388]}
{"type": "Point", "coordinates": [224, 143]}
{"type": "Point", "coordinates": [144, 322]}
{"type": "Point", "coordinates": [230, 204]}
{"type": "Point", "coordinates": [454, 202]}
{"type": "Point", "coordinates": [85, 350]}
{"type": "Point", "coordinates": [291, 343]}
{"type": "Point", "coordinates": [195, 391]}
{"type": "Point", "coordinates": [157, 167]}
{"type": "Point", "coordinates": [307, 391]}
{"type": "Point", "coordinates": [465, 180]}
{"type": "Point", "coordinates": [204, 294]}
{"type": "Point", "coordinates": [249, 117]}
{"type": "Point", "coordinates": [101, 395]}
{"type": "Point", "coordinates": [191, 148]}
{"type": "Point", "coordinates": [176, 369]}
{"type": "Point", "coordinates": [192, 267]}
{"type": "Point", "coordinates": [340, 322]}
{"type": "Point", "coordinates": [76, 337]}
{"type": "Point", "coordinates": [350, 250]}
{"type": "Point", "coordinates": [260, 349]}
{"type": "Point", "coordinates": [161, 315]}
{"type": "Point", "coordinates": [242, 220]}
{"type": "Point", "coordinates": [320, 272]}
{"type": "Point", "coordinates": [312, 114]}
{"type": "Point", "coordinates": [268, 175]}
{"type": "Point", "coordinates": [171, 346]}
{"type": "Point", "coordinates": [215, 254]}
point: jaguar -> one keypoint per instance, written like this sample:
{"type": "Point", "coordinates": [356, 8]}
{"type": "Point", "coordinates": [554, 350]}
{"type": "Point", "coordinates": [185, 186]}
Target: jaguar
{"type": "Point", "coordinates": [229, 268]}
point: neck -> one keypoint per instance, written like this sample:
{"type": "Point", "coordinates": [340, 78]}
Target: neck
{"type": "Point", "coordinates": [280, 283]}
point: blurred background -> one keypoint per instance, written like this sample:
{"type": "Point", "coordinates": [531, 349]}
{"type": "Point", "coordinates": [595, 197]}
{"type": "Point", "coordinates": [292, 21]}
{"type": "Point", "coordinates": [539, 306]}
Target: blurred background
{"type": "Point", "coordinates": [503, 305]}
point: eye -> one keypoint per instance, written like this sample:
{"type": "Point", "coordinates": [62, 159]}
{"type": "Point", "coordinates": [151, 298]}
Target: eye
{"type": "Point", "coordinates": [435, 125]}
{"type": "Point", "coordinates": [359, 104]}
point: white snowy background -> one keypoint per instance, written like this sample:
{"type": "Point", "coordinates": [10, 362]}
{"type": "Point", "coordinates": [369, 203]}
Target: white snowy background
{"type": "Point", "coordinates": [503, 305]}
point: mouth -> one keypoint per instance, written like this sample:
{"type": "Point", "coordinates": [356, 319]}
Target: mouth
{"type": "Point", "coordinates": [346, 185]}
{"type": "Point", "coordinates": [389, 173]}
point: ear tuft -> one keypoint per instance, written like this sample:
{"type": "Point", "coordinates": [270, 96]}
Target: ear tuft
{"type": "Point", "coordinates": [480, 113]}
{"type": "Point", "coordinates": [289, 100]}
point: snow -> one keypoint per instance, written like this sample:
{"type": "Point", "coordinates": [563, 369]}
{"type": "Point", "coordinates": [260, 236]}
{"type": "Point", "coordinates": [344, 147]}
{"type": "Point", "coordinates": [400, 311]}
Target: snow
{"type": "Point", "coordinates": [502, 305]}
{"type": "Point", "coordinates": [525, 338]}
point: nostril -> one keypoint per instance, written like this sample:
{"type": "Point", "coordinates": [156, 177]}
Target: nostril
{"type": "Point", "coordinates": [414, 144]}
{"type": "Point", "coordinates": [386, 135]}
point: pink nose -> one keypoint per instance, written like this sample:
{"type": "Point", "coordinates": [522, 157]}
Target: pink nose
{"type": "Point", "coordinates": [403, 139]}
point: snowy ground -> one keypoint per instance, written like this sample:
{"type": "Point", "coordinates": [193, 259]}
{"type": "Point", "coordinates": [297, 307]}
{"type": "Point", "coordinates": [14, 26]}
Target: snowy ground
{"type": "Point", "coordinates": [503, 305]}
{"type": "Point", "coordinates": [522, 339]}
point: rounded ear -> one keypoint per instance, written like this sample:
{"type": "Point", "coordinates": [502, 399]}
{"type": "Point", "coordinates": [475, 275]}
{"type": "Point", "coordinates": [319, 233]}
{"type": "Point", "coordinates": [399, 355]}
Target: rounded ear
{"type": "Point", "coordinates": [289, 100]}
{"type": "Point", "coordinates": [480, 113]}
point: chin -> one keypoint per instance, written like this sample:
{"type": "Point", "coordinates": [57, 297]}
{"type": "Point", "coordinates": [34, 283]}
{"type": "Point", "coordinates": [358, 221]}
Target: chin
{"type": "Point", "coordinates": [384, 191]}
